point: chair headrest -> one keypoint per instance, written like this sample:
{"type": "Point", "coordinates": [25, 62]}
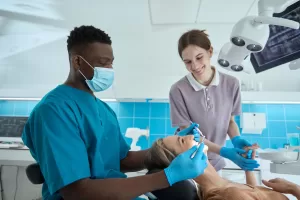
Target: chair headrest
{"type": "Point", "coordinates": [186, 190]}
{"type": "Point", "coordinates": [34, 174]}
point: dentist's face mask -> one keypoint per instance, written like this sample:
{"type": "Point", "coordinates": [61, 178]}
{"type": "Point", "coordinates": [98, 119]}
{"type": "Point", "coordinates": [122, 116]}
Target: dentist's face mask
{"type": "Point", "coordinates": [103, 78]}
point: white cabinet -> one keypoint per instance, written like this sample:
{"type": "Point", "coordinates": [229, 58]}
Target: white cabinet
{"type": "Point", "coordinates": [16, 186]}
{"type": "Point", "coordinates": [140, 88]}
{"type": "Point", "coordinates": [253, 123]}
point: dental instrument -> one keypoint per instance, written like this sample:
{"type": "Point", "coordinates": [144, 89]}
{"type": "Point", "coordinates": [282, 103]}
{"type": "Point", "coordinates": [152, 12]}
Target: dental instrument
{"type": "Point", "coordinates": [199, 143]}
{"type": "Point", "coordinates": [200, 133]}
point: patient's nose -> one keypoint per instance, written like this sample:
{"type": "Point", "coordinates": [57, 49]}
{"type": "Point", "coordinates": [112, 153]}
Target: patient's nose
{"type": "Point", "coordinates": [190, 137]}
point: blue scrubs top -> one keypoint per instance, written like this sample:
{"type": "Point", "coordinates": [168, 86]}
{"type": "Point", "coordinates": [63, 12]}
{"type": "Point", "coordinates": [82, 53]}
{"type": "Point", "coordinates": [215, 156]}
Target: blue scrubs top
{"type": "Point", "coordinates": [73, 135]}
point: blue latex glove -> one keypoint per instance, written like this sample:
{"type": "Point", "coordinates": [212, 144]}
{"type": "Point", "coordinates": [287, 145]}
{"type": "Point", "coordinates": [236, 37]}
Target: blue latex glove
{"type": "Point", "coordinates": [249, 154]}
{"type": "Point", "coordinates": [191, 131]}
{"type": "Point", "coordinates": [234, 154]}
{"type": "Point", "coordinates": [184, 167]}
{"type": "Point", "coordinates": [239, 143]}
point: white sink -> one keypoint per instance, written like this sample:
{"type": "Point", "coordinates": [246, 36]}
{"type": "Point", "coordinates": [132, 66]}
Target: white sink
{"type": "Point", "coordinates": [279, 156]}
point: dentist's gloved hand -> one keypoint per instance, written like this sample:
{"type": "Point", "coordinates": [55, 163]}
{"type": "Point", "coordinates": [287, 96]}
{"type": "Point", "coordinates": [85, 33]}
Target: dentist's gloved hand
{"type": "Point", "coordinates": [234, 154]}
{"type": "Point", "coordinates": [184, 167]}
{"type": "Point", "coordinates": [240, 143]}
{"type": "Point", "coordinates": [191, 131]}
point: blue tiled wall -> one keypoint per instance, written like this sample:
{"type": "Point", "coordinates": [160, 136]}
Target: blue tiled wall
{"type": "Point", "coordinates": [281, 119]}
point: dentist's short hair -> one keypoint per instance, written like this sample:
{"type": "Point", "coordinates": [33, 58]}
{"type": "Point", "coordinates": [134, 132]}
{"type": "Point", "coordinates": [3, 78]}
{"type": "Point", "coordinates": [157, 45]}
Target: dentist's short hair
{"type": "Point", "coordinates": [82, 36]}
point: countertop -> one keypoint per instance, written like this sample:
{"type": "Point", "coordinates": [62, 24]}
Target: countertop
{"type": "Point", "coordinates": [18, 157]}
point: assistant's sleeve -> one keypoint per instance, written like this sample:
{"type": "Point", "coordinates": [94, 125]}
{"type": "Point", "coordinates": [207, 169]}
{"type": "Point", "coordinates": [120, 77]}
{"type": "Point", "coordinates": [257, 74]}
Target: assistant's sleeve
{"type": "Point", "coordinates": [60, 151]}
{"type": "Point", "coordinates": [179, 113]}
{"type": "Point", "coordinates": [236, 108]}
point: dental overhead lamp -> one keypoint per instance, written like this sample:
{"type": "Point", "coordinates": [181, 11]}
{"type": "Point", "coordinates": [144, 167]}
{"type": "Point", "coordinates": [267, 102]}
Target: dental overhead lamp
{"type": "Point", "coordinates": [251, 34]}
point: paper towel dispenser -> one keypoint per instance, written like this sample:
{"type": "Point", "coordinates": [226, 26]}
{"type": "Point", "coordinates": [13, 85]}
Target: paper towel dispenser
{"type": "Point", "coordinates": [253, 123]}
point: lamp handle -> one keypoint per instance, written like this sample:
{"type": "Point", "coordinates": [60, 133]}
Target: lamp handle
{"type": "Point", "coordinates": [276, 21]}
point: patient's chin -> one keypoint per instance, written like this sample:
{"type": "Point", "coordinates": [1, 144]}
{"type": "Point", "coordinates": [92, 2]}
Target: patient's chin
{"type": "Point", "coordinates": [205, 149]}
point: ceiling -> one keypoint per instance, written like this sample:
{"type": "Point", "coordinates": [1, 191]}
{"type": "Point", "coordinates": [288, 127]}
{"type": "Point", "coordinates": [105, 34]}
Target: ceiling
{"type": "Point", "coordinates": [144, 32]}
{"type": "Point", "coordinates": [38, 22]}
{"type": "Point", "coordinates": [200, 11]}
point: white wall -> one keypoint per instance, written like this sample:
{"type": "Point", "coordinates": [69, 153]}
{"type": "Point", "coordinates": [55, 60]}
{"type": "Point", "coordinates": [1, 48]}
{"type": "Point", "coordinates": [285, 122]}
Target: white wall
{"type": "Point", "coordinates": [146, 54]}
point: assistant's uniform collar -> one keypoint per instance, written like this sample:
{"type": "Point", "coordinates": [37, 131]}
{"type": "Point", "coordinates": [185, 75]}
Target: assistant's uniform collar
{"type": "Point", "coordinates": [197, 86]}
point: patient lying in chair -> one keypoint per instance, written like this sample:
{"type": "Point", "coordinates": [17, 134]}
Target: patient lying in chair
{"type": "Point", "coordinates": [210, 185]}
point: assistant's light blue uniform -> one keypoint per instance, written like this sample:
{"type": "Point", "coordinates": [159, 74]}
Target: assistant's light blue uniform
{"type": "Point", "coordinates": [73, 135]}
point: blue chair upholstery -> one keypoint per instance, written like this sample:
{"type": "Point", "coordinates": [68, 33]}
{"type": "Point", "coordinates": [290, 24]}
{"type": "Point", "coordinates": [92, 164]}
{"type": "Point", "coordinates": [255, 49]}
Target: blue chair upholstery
{"type": "Point", "coordinates": [34, 174]}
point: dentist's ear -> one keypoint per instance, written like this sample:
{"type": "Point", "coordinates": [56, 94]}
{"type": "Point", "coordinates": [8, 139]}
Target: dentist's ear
{"type": "Point", "coordinates": [75, 60]}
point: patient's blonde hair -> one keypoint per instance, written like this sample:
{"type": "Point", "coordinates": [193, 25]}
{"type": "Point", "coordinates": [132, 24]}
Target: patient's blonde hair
{"type": "Point", "coordinates": [158, 156]}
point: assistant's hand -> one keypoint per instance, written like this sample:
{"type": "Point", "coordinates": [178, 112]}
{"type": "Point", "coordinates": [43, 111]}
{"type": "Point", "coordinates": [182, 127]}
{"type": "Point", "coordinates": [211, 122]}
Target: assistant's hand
{"type": "Point", "coordinates": [184, 167]}
{"type": "Point", "coordinates": [250, 151]}
{"type": "Point", "coordinates": [281, 185]}
{"type": "Point", "coordinates": [240, 143]}
{"type": "Point", "coordinates": [235, 156]}
{"type": "Point", "coordinates": [188, 130]}
{"type": "Point", "coordinates": [191, 131]}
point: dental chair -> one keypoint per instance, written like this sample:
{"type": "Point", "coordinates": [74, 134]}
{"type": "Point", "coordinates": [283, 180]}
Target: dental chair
{"type": "Point", "coordinates": [34, 174]}
{"type": "Point", "coordinates": [182, 190]}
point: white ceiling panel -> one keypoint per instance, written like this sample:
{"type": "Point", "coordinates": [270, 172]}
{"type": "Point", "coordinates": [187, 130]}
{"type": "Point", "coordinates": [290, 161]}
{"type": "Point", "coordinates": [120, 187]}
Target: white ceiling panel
{"type": "Point", "coordinates": [173, 11]}
{"type": "Point", "coordinates": [41, 8]}
{"type": "Point", "coordinates": [254, 9]}
{"type": "Point", "coordinates": [14, 44]}
{"type": "Point", "coordinates": [221, 11]}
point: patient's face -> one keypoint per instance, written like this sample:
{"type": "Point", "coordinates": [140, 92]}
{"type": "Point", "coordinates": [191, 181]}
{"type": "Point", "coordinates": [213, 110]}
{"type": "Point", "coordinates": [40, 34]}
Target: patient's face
{"type": "Point", "coordinates": [179, 144]}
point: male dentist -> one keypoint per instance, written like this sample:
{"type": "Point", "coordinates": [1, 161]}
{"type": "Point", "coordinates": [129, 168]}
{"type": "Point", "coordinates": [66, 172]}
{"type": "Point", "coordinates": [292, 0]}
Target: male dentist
{"type": "Point", "coordinates": [76, 139]}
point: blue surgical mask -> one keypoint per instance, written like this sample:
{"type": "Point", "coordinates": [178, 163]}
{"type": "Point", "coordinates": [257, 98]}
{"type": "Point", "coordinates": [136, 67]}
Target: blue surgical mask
{"type": "Point", "coordinates": [103, 78]}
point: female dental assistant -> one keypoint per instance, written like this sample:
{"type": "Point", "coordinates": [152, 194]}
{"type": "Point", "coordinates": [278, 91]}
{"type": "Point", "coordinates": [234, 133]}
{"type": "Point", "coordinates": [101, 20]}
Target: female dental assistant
{"type": "Point", "coordinates": [210, 99]}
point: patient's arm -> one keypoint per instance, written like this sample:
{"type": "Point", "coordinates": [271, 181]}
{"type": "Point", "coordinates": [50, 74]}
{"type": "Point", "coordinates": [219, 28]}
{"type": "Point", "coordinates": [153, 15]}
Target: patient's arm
{"type": "Point", "coordinates": [250, 177]}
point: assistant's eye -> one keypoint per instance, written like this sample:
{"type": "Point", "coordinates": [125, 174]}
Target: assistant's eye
{"type": "Point", "coordinates": [182, 140]}
{"type": "Point", "coordinates": [199, 58]}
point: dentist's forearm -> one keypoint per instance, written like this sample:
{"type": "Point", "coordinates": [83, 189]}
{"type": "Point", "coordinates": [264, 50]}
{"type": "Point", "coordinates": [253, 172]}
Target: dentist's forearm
{"type": "Point", "coordinates": [134, 161]}
{"type": "Point", "coordinates": [233, 129]}
{"type": "Point", "coordinates": [114, 188]}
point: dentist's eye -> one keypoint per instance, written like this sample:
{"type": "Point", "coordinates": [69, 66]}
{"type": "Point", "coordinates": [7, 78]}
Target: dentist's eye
{"type": "Point", "coordinates": [182, 140]}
